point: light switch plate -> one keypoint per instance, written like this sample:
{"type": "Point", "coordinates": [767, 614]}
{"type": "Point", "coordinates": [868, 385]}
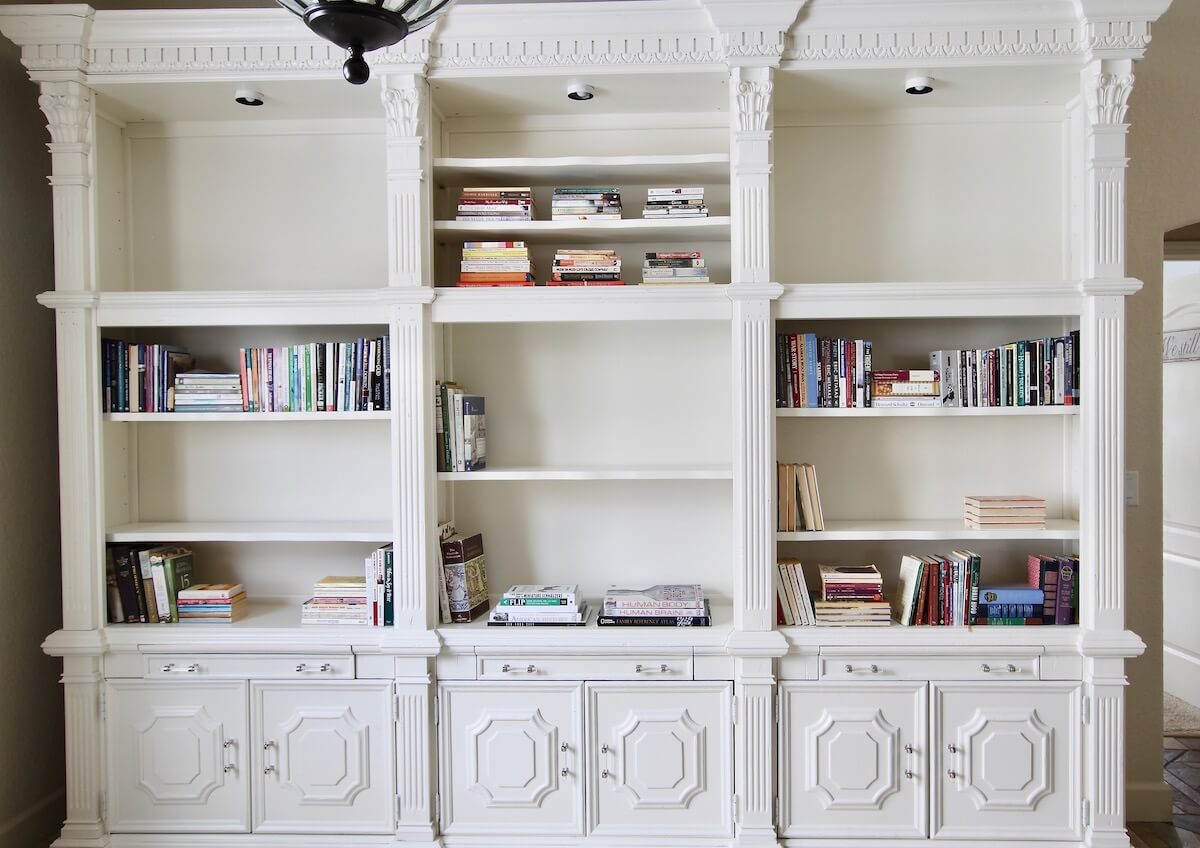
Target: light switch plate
{"type": "Point", "coordinates": [1131, 488]}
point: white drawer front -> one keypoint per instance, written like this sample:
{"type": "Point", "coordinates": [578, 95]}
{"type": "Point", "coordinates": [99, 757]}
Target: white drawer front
{"type": "Point", "coordinates": [868, 666]}
{"type": "Point", "coordinates": [632, 667]}
{"type": "Point", "coordinates": [244, 666]}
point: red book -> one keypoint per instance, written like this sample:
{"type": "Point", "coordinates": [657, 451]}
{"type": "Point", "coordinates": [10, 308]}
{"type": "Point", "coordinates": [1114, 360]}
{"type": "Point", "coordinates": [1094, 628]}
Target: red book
{"type": "Point", "coordinates": [794, 362]}
{"type": "Point", "coordinates": [904, 376]}
{"type": "Point", "coordinates": [481, 284]}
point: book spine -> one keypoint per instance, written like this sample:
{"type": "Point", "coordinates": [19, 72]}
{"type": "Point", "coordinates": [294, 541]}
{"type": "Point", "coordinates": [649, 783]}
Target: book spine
{"type": "Point", "coordinates": [793, 351]}
{"type": "Point", "coordinates": [781, 391]}
{"type": "Point", "coordinates": [651, 621]}
{"type": "Point", "coordinates": [811, 381]}
{"type": "Point", "coordinates": [389, 588]}
{"type": "Point", "coordinates": [161, 592]}
{"type": "Point", "coordinates": [1066, 588]}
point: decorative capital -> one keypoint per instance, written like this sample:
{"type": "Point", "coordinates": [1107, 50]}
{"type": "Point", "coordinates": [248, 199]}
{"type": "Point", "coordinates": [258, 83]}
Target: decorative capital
{"type": "Point", "coordinates": [68, 109]}
{"type": "Point", "coordinates": [1108, 98]}
{"type": "Point", "coordinates": [402, 106]}
{"type": "Point", "coordinates": [754, 104]}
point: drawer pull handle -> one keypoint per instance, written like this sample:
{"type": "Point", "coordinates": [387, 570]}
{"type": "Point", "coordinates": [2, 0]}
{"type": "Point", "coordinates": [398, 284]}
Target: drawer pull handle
{"type": "Point", "coordinates": [987, 669]}
{"type": "Point", "coordinates": [267, 746]}
{"type": "Point", "coordinates": [300, 667]}
{"type": "Point", "coordinates": [508, 669]}
{"type": "Point", "coordinates": [874, 669]}
{"type": "Point", "coordinates": [168, 668]}
{"type": "Point", "coordinates": [229, 767]}
{"type": "Point", "coordinates": [268, 769]}
{"type": "Point", "coordinates": [908, 775]}
{"type": "Point", "coordinates": [228, 743]}
{"type": "Point", "coordinates": [641, 669]}
{"type": "Point", "coordinates": [326, 667]}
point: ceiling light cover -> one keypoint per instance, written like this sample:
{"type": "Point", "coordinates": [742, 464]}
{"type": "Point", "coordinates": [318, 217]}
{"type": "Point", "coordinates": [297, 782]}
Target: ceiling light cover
{"type": "Point", "coordinates": [364, 25]}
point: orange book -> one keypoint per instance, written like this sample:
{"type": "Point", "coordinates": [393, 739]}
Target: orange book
{"type": "Point", "coordinates": [494, 277]}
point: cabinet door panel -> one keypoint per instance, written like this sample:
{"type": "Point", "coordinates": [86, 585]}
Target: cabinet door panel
{"type": "Point", "coordinates": [661, 759]}
{"type": "Point", "coordinates": [852, 760]}
{"type": "Point", "coordinates": [511, 758]}
{"type": "Point", "coordinates": [325, 757]}
{"type": "Point", "coordinates": [178, 755]}
{"type": "Point", "coordinates": [1007, 760]}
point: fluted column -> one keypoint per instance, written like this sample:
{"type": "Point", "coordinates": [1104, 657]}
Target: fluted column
{"type": "Point", "coordinates": [415, 746]}
{"type": "Point", "coordinates": [751, 182]}
{"type": "Point", "coordinates": [407, 111]}
{"type": "Point", "coordinates": [754, 736]}
{"type": "Point", "coordinates": [82, 688]}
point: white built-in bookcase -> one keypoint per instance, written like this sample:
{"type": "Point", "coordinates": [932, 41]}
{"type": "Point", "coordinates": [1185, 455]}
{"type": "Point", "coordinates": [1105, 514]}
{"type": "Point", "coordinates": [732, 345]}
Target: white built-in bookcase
{"type": "Point", "coordinates": [632, 432]}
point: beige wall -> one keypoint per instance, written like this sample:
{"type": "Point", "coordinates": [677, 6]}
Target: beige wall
{"type": "Point", "coordinates": [31, 707]}
{"type": "Point", "coordinates": [1164, 193]}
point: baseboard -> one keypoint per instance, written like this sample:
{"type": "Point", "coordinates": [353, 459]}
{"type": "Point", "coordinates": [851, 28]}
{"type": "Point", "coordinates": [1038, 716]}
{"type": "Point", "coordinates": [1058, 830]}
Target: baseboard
{"type": "Point", "coordinates": [1149, 801]}
{"type": "Point", "coordinates": [1181, 673]}
{"type": "Point", "coordinates": [38, 825]}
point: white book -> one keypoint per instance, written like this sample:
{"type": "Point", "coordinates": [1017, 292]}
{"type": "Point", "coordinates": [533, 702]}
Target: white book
{"type": "Point", "coordinates": [791, 611]}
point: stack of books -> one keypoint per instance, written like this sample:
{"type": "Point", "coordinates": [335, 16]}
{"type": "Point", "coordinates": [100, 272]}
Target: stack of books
{"type": "Point", "coordinates": [536, 606]}
{"type": "Point", "coordinates": [337, 600]}
{"type": "Point", "coordinates": [144, 581]}
{"type": "Point", "coordinates": [905, 388]}
{"type": "Point", "coordinates": [938, 590]}
{"type": "Point", "coordinates": [814, 371]}
{"type": "Point", "coordinates": [852, 595]}
{"type": "Point", "coordinates": [381, 595]}
{"type": "Point", "coordinates": [139, 377]}
{"type": "Point", "coordinates": [664, 605]}
{"type": "Point", "coordinates": [495, 263]}
{"type": "Point", "coordinates": [460, 424]}
{"type": "Point", "coordinates": [495, 204]}
{"type": "Point", "coordinates": [666, 267]}
{"type": "Point", "coordinates": [586, 268]}
{"type": "Point", "coordinates": [793, 604]}
{"type": "Point", "coordinates": [1030, 372]}
{"type": "Point", "coordinates": [351, 376]}
{"type": "Point", "coordinates": [798, 500]}
{"type": "Point", "coordinates": [212, 602]}
{"type": "Point", "coordinates": [1058, 579]}
{"type": "Point", "coordinates": [1010, 605]}
{"type": "Point", "coordinates": [675, 202]}
{"type": "Point", "coordinates": [463, 589]}
{"type": "Point", "coordinates": [1005, 512]}
{"type": "Point", "coordinates": [204, 391]}
{"type": "Point", "coordinates": [587, 203]}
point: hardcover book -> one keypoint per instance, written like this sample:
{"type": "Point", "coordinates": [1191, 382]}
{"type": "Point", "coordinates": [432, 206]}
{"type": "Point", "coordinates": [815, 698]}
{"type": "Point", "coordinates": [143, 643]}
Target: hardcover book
{"type": "Point", "coordinates": [465, 573]}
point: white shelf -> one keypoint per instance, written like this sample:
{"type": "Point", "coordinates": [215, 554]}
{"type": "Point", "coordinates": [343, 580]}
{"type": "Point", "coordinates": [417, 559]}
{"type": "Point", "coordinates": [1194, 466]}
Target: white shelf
{"type": "Point", "coordinates": [917, 412]}
{"type": "Point", "coordinates": [184, 417]}
{"type": "Point", "coordinates": [812, 301]}
{"type": "Point", "coordinates": [566, 233]}
{"type": "Point", "coordinates": [704, 168]}
{"type": "Point", "coordinates": [582, 473]}
{"type": "Point", "coordinates": [863, 530]}
{"type": "Point", "coordinates": [896, 636]}
{"type": "Point", "coordinates": [699, 302]}
{"type": "Point", "coordinates": [252, 531]}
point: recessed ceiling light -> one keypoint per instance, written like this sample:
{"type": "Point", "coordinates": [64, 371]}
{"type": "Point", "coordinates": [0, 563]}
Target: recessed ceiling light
{"type": "Point", "coordinates": [918, 83]}
{"type": "Point", "coordinates": [248, 97]}
{"type": "Point", "coordinates": [580, 90]}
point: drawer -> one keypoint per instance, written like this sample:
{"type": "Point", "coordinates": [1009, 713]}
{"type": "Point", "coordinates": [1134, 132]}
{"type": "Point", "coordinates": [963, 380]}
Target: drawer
{"type": "Point", "coordinates": [257, 666]}
{"type": "Point", "coordinates": [632, 667]}
{"type": "Point", "coordinates": [873, 666]}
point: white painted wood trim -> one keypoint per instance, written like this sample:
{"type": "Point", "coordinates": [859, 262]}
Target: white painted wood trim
{"type": "Point", "coordinates": [917, 412]}
{"type": "Point", "coordinates": [535, 473]}
{"type": "Point", "coordinates": [253, 531]}
{"type": "Point", "coordinates": [925, 529]}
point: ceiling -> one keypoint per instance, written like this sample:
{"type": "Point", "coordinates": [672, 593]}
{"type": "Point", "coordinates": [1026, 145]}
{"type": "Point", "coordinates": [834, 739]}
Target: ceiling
{"type": "Point", "coordinates": [237, 4]}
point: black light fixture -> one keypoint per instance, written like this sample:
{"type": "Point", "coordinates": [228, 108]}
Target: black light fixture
{"type": "Point", "coordinates": [364, 25]}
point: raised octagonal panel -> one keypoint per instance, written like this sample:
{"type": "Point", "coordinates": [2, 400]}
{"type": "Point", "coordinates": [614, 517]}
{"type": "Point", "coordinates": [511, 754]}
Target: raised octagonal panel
{"type": "Point", "coordinates": [511, 761]}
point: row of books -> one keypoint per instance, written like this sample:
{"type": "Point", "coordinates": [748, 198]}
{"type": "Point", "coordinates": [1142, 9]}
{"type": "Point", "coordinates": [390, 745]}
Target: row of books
{"type": "Point", "coordinates": [460, 422]}
{"type": "Point", "coordinates": [814, 371]}
{"type": "Point", "coordinates": [798, 499]}
{"type": "Point", "coordinates": [1030, 372]}
{"type": "Point", "coordinates": [139, 377]}
{"type": "Point", "coordinates": [367, 599]}
{"type": "Point", "coordinates": [586, 203]}
{"type": "Point", "coordinates": [212, 603]}
{"type": "Point", "coordinates": [1006, 512]}
{"type": "Point", "coordinates": [495, 263]}
{"type": "Point", "coordinates": [512, 203]}
{"type": "Point", "coordinates": [667, 267]}
{"type": "Point", "coordinates": [582, 203]}
{"type": "Point", "coordinates": [661, 605]}
{"type": "Point", "coordinates": [586, 267]}
{"type": "Point", "coordinates": [144, 581]}
{"type": "Point", "coordinates": [350, 376]}
{"type": "Point", "coordinates": [675, 202]}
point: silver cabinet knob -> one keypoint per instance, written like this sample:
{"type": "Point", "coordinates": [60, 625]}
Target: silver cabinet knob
{"type": "Point", "coordinates": [952, 774]}
{"type": "Point", "coordinates": [167, 667]}
{"type": "Point", "coordinates": [604, 749]}
{"type": "Point", "coordinates": [563, 747]}
{"type": "Point", "coordinates": [268, 769]}
{"type": "Point", "coordinates": [267, 746]}
{"type": "Point", "coordinates": [326, 667]}
{"type": "Point", "coordinates": [193, 668]}
{"type": "Point", "coordinates": [227, 744]}
{"type": "Point", "coordinates": [908, 775]}
{"type": "Point", "coordinates": [985, 668]}
{"type": "Point", "coordinates": [564, 772]}
{"type": "Point", "coordinates": [300, 667]}
{"type": "Point", "coordinates": [1011, 668]}
{"type": "Point", "coordinates": [952, 748]}
{"type": "Point", "coordinates": [908, 749]}
{"type": "Point", "coordinates": [604, 773]}
{"type": "Point", "coordinates": [229, 767]}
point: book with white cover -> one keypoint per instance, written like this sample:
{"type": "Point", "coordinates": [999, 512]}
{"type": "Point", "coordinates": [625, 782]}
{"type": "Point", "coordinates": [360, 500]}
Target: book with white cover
{"type": "Point", "coordinates": [671, 596]}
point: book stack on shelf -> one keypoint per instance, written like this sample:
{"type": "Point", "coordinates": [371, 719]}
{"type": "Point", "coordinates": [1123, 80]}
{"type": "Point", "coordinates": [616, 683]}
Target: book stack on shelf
{"type": "Point", "coordinates": [905, 388]}
{"type": "Point", "coordinates": [495, 263]}
{"type": "Point", "coordinates": [539, 606]}
{"type": "Point", "coordinates": [212, 603]}
{"type": "Point", "coordinates": [852, 596]}
{"type": "Point", "coordinates": [139, 377]}
{"type": "Point", "coordinates": [144, 582]}
{"type": "Point", "coordinates": [1058, 579]}
{"type": "Point", "coordinates": [337, 600]}
{"type": "Point", "coordinates": [793, 603]}
{"type": "Point", "coordinates": [353, 376]}
{"type": "Point", "coordinates": [586, 268]}
{"type": "Point", "coordinates": [668, 267]}
{"type": "Point", "coordinates": [460, 422]}
{"type": "Point", "coordinates": [663, 605]}
{"type": "Point", "coordinates": [586, 203]}
{"type": "Point", "coordinates": [675, 202]}
{"type": "Point", "coordinates": [939, 590]}
{"type": "Point", "coordinates": [1005, 512]}
{"type": "Point", "coordinates": [1010, 605]}
{"type": "Point", "coordinates": [381, 596]}
{"type": "Point", "coordinates": [814, 371]}
{"type": "Point", "coordinates": [495, 204]}
{"type": "Point", "coordinates": [798, 500]}
{"type": "Point", "coordinates": [463, 589]}
{"type": "Point", "coordinates": [206, 391]}
{"type": "Point", "coordinates": [1030, 372]}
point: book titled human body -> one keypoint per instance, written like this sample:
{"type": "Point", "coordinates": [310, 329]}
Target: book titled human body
{"type": "Point", "coordinates": [664, 604]}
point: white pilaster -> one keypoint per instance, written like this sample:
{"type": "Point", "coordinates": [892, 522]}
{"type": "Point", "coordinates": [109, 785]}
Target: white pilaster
{"type": "Point", "coordinates": [407, 110]}
{"type": "Point", "coordinates": [755, 742]}
{"type": "Point", "coordinates": [751, 182]}
{"type": "Point", "coordinates": [82, 686]}
{"type": "Point", "coordinates": [414, 751]}
{"type": "Point", "coordinates": [1104, 787]}
{"type": "Point", "coordinates": [412, 464]}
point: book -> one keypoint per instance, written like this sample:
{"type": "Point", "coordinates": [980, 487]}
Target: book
{"type": "Point", "coordinates": [465, 573]}
{"type": "Point", "coordinates": [173, 570]}
{"type": "Point", "coordinates": [474, 428]}
{"type": "Point", "coordinates": [525, 593]}
{"type": "Point", "coordinates": [211, 591]}
{"type": "Point", "coordinates": [911, 569]}
{"type": "Point", "coordinates": [537, 615]}
{"type": "Point", "coordinates": [619, 619]}
{"type": "Point", "coordinates": [661, 596]}
{"type": "Point", "coordinates": [1067, 577]}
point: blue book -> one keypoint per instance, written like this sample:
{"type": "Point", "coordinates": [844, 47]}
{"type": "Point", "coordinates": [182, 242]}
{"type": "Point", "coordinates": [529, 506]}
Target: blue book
{"type": "Point", "coordinates": [1011, 595]}
{"type": "Point", "coordinates": [810, 370]}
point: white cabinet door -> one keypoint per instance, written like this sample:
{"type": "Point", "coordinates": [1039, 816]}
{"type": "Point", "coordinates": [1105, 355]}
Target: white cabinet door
{"type": "Point", "coordinates": [178, 755]}
{"type": "Point", "coordinates": [660, 759]}
{"type": "Point", "coordinates": [324, 757]}
{"type": "Point", "coordinates": [853, 760]}
{"type": "Point", "coordinates": [511, 758]}
{"type": "Point", "coordinates": [1007, 760]}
